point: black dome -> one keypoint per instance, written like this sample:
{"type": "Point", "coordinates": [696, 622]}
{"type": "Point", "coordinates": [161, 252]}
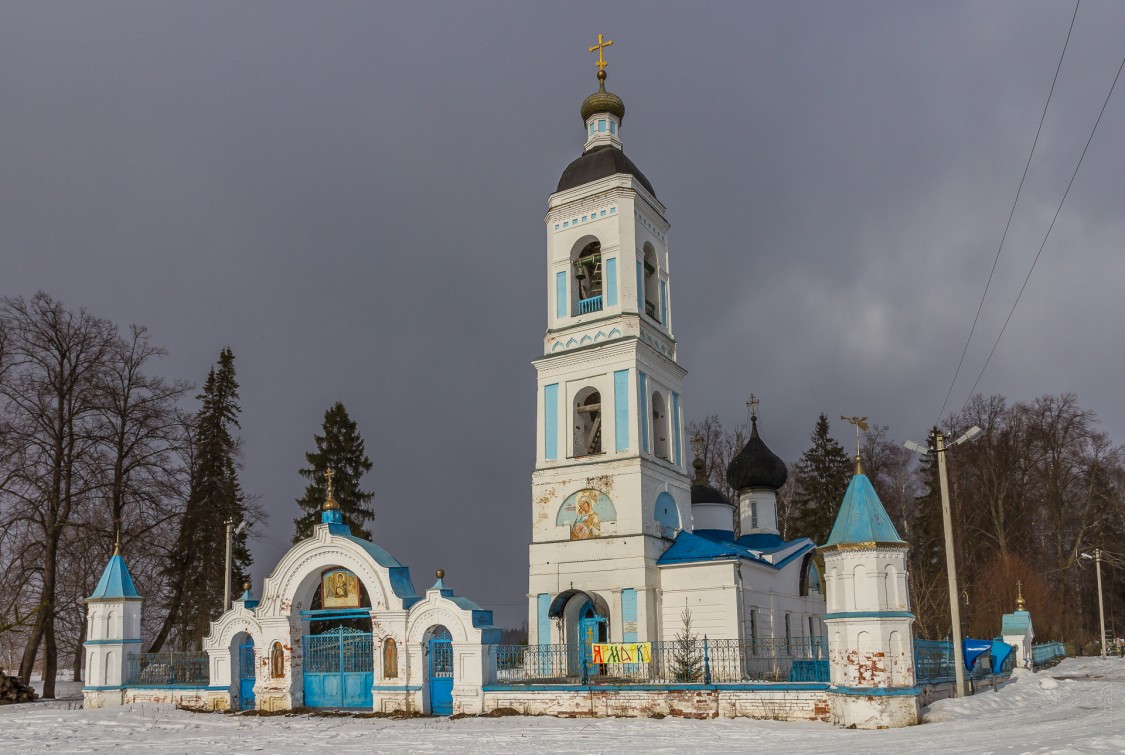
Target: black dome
{"type": "Point", "coordinates": [756, 466]}
{"type": "Point", "coordinates": [701, 491]}
{"type": "Point", "coordinates": [601, 162]}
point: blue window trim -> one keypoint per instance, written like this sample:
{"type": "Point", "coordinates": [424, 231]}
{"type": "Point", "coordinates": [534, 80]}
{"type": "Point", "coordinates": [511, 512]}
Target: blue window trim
{"type": "Point", "coordinates": [644, 410]}
{"type": "Point", "coordinates": [621, 410]}
{"type": "Point", "coordinates": [560, 294]}
{"type": "Point", "coordinates": [610, 280]}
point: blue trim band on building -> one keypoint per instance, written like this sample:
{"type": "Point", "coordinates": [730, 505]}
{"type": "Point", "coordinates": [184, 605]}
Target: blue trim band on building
{"type": "Point", "coordinates": [103, 689]}
{"type": "Point", "coordinates": [877, 691]}
{"type": "Point", "coordinates": [870, 615]}
{"type": "Point", "coordinates": [761, 687]}
{"type": "Point", "coordinates": [401, 688]}
{"type": "Point", "coordinates": [112, 642]}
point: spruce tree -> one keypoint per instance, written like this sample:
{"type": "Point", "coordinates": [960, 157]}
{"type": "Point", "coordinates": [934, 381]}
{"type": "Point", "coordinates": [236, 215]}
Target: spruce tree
{"type": "Point", "coordinates": [822, 477]}
{"type": "Point", "coordinates": [197, 562]}
{"type": "Point", "coordinates": [340, 448]}
{"type": "Point", "coordinates": [687, 662]}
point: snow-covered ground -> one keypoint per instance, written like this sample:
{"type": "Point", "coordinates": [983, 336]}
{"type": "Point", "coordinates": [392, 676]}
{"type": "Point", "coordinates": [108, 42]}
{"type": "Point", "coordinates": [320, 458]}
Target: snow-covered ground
{"type": "Point", "coordinates": [1078, 706]}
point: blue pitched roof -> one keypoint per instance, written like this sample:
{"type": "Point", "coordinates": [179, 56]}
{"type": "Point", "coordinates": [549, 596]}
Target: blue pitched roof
{"type": "Point", "coordinates": [401, 583]}
{"type": "Point", "coordinates": [115, 582]}
{"type": "Point", "coordinates": [1015, 623]}
{"type": "Point", "coordinates": [862, 518]}
{"type": "Point", "coordinates": [696, 547]}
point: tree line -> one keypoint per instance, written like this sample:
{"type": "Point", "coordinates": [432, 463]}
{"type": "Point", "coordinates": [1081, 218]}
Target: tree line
{"type": "Point", "coordinates": [1039, 487]}
{"type": "Point", "coordinates": [99, 452]}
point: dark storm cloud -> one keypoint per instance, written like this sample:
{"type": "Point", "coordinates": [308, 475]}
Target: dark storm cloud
{"type": "Point", "coordinates": [351, 197]}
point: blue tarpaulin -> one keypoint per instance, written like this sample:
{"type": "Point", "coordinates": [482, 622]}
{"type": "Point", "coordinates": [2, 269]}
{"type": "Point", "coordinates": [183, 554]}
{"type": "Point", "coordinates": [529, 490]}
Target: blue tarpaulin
{"type": "Point", "coordinates": [1000, 652]}
{"type": "Point", "coordinates": [974, 649]}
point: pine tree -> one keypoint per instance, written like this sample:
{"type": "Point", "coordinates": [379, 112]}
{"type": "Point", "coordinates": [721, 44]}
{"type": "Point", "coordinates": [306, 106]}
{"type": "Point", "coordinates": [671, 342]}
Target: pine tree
{"type": "Point", "coordinates": [822, 477]}
{"type": "Point", "coordinates": [687, 661]}
{"type": "Point", "coordinates": [340, 449]}
{"type": "Point", "coordinates": [196, 564]}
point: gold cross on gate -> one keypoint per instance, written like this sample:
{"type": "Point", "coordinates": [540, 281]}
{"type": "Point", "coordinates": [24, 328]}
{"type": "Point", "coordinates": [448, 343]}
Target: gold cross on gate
{"type": "Point", "coordinates": [599, 47]}
{"type": "Point", "coordinates": [328, 475]}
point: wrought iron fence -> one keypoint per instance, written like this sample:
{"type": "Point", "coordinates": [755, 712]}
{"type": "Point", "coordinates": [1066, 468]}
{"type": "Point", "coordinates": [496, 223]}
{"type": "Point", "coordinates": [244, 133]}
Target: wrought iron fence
{"type": "Point", "coordinates": [188, 669]}
{"type": "Point", "coordinates": [933, 661]}
{"type": "Point", "coordinates": [669, 662]}
{"type": "Point", "coordinates": [1047, 652]}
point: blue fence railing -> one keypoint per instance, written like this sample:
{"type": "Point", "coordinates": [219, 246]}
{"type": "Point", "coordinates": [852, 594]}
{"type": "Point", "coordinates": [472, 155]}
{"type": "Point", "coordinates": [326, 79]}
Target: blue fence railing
{"type": "Point", "coordinates": [698, 661]}
{"type": "Point", "coordinates": [189, 669]}
{"type": "Point", "coordinates": [592, 304]}
{"type": "Point", "coordinates": [933, 661]}
{"type": "Point", "coordinates": [1047, 652]}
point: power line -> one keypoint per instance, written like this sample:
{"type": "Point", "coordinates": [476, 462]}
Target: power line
{"type": "Point", "coordinates": [1046, 236]}
{"type": "Point", "coordinates": [1008, 225]}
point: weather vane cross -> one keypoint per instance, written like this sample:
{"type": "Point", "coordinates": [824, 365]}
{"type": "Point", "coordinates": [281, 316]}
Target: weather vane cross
{"type": "Point", "coordinates": [599, 47]}
{"type": "Point", "coordinates": [860, 425]}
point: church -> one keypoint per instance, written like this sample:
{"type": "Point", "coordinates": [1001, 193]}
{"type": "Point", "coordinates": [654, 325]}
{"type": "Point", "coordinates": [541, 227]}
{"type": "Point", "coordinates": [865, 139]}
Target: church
{"type": "Point", "coordinates": [625, 536]}
{"type": "Point", "coordinates": [629, 544]}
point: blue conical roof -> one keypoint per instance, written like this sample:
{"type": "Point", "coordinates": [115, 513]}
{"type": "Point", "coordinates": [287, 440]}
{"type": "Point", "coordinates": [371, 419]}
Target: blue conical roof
{"type": "Point", "coordinates": [115, 582]}
{"type": "Point", "coordinates": [862, 518]}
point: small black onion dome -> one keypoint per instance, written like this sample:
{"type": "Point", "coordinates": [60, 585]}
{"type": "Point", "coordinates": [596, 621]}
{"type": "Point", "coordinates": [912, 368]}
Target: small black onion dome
{"type": "Point", "coordinates": [756, 466]}
{"type": "Point", "coordinates": [701, 491]}
{"type": "Point", "coordinates": [602, 101]}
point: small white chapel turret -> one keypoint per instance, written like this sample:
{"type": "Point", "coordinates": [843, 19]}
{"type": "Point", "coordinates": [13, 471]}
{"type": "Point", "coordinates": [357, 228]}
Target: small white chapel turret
{"type": "Point", "coordinates": [870, 626]}
{"type": "Point", "coordinates": [113, 632]}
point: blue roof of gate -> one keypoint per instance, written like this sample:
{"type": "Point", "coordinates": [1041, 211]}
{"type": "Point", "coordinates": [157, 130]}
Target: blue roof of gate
{"type": "Point", "coordinates": [1015, 623]}
{"type": "Point", "coordinates": [401, 583]}
{"type": "Point", "coordinates": [695, 547]}
{"type": "Point", "coordinates": [115, 582]}
{"type": "Point", "coordinates": [862, 518]}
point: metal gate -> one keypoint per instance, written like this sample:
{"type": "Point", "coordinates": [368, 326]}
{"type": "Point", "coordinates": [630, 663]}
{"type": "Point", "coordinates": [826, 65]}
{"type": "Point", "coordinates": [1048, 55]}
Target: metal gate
{"type": "Point", "coordinates": [441, 673]}
{"type": "Point", "coordinates": [246, 676]}
{"type": "Point", "coordinates": [338, 669]}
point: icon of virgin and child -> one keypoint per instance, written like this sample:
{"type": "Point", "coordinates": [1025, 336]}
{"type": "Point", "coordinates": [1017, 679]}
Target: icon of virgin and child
{"type": "Point", "coordinates": [587, 523]}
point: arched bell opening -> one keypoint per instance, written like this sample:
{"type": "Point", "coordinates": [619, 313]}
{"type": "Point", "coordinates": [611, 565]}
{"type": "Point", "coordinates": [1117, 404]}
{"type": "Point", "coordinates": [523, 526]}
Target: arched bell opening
{"type": "Point", "coordinates": [587, 422]}
{"type": "Point", "coordinates": [661, 444]}
{"type": "Point", "coordinates": [586, 264]}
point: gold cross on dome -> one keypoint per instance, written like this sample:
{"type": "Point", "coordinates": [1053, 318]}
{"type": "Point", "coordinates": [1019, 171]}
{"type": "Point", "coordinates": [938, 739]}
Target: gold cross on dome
{"type": "Point", "coordinates": [599, 47]}
{"type": "Point", "coordinates": [328, 475]}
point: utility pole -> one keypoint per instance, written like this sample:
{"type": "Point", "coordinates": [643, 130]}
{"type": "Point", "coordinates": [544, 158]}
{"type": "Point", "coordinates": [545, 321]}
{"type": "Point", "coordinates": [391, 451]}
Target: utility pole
{"type": "Point", "coordinates": [1101, 608]}
{"type": "Point", "coordinates": [226, 571]}
{"type": "Point", "coordinates": [950, 565]}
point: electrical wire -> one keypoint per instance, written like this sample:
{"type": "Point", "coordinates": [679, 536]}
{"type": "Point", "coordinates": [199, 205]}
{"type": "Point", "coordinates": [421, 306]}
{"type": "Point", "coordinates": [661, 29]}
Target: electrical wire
{"type": "Point", "coordinates": [1046, 236]}
{"type": "Point", "coordinates": [1011, 213]}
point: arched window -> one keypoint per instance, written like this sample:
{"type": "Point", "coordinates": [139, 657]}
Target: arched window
{"type": "Point", "coordinates": [587, 422]}
{"type": "Point", "coordinates": [390, 659]}
{"type": "Point", "coordinates": [860, 588]}
{"type": "Point", "coordinates": [652, 283]}
{"type": "Point", "coordinates": [660, 442]}
{"type": "Point", "coordinates": [890, 587]}
{"type": "Point", "coordinates": [277, 661]}
{"type": "Point", "coordinates": [588, 279]}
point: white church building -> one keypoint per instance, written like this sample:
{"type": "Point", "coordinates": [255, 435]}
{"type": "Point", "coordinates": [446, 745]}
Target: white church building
{"type": "Point", "coordinates": [623, 538]}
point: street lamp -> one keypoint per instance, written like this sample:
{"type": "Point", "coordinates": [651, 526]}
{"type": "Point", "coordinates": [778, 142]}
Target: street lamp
{"type": "Point", "coordinates": [1097, 557]}
{"type": "Point", "coordinates": [950, 561]}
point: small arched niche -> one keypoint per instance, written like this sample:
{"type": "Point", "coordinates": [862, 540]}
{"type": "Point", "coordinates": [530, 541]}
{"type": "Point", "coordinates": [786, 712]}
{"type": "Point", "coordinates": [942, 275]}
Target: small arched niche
{"type": "Point", "coordinates": [587, 422]}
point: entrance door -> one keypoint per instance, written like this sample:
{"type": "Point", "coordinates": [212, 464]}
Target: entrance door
{"type": "Point", "coordinates": [441, 673]}
{"type": "Point", "coordinates": [246, 676]}
{"type": "Point", "coordinates": [591, 628]}
{"type": "Point", "coordinates": [339, 669]}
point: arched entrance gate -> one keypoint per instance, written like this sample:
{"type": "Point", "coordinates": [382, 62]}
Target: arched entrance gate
{"type": "Point", "coordinates": [441, 672]}
{"type": "Point", "coordinates": [339, 663]}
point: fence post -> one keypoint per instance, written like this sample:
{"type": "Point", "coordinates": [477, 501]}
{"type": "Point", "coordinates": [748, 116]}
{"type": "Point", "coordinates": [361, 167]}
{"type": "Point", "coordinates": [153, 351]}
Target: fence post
{"type": "Point", "coordinates": [706, 662]}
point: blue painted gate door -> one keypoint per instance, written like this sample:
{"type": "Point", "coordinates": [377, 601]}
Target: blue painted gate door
{"type": "Point", "coordinates": [339, 669]}
{"type": "Point", "coordinates": [441, 674]}
{"type": "Point", "coordinates": [246, 676]}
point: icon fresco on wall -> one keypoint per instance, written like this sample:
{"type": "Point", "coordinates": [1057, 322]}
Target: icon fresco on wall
{"type": "Point", "coordinates": [584, 512]}
{"type": "Point", "coordinates": [340, 589]}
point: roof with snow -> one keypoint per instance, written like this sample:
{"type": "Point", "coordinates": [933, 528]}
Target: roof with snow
{"type": "Point", "coordinates": [862, 518]}
{"type": "Point", "coordinates": [115, 584]}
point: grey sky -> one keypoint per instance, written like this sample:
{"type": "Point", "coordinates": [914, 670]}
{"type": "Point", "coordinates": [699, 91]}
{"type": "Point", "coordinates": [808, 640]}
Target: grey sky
{"type": "Point", "coordinates": [351, 196]}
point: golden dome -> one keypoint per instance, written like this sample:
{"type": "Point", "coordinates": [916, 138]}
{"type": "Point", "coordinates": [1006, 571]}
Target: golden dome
{"type": "Point", "coordinates": [602, 101]}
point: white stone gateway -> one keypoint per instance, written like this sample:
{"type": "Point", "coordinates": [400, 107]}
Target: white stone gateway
{"type": "Point", "coordinates": [1017, 631]}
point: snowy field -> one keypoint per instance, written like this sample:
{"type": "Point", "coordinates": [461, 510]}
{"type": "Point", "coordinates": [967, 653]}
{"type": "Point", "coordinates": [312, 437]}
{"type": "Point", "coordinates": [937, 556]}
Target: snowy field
{"type": "Point", "coordinates": [1078, 706]}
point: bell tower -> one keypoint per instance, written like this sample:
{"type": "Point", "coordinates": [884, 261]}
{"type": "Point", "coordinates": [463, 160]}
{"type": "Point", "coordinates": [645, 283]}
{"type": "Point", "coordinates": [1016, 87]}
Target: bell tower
{"type": "Point", "coordinates": [610, 488]}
